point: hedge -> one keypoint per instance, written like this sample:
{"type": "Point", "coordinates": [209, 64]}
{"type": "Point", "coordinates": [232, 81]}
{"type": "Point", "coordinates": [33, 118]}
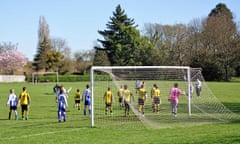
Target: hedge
{"type": "Point", "coordinates": [70, 78]}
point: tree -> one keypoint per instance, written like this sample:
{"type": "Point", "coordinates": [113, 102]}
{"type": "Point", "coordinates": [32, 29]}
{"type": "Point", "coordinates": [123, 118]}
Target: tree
{"type": "Point", "coordinates": [7, 46]}
{"type": "Point", "coordinates": [43, 46]}
{"type": "Point", "coordinates": [12, 61]}
{"type": "Point", "coordinates": [219, 34]}
{"type": "Point", "coordinates": [83, 60]}
{"type": "Point", "coordinates": [169, 42]}
{"type": "Point", "coordinates": [64, 62]}
{"type": "Point", "coordinates": [47, 57]}
{"type": "Point", "coordinates": [122, 42]}
{"type": "Point", "coordinates": [101, 59]}
{"type": "Point", "coordinates": [41, 58]}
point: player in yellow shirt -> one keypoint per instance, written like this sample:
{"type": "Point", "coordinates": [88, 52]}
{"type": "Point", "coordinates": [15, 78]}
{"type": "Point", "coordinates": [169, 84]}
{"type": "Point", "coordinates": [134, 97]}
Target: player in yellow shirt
{"type": "Point", "coordinates": [142, 97]}
{"type": "Point", "coordinates": [127, 96]}
{"type": "Point", "coordinates": [24, 101]}
{"type": "Point", "coordinates": [120, 97]}
{"type": "Point", "coordinates": [152, 95]}
{"type": "Point", "coordinates": [156, 99]}
{"type": "Point", "coordinates": [108, 99]}
{"type": "Point", "coordinates": [77, 99]}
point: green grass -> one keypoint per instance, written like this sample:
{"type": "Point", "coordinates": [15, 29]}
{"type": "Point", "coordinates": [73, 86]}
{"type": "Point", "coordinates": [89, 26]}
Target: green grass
{"type": "Point", "coordinates": [42, 126]}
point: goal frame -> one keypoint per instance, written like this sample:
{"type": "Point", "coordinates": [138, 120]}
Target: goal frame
{"type": "Point", "coordinates": [42, 73]}
{"type": "Point", "coordinates": [93, 68]}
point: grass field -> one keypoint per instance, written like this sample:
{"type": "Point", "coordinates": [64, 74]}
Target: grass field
{"type": "Point", "coordinates": [42, 126]}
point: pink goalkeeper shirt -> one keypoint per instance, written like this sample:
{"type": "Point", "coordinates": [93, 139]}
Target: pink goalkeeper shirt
{"type": "Point", "coordinates": [174, 94]}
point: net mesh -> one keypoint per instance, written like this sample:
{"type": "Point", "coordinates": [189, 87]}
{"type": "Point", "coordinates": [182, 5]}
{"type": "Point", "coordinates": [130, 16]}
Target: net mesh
{"type": "Point", "coordinates": [205, 108]}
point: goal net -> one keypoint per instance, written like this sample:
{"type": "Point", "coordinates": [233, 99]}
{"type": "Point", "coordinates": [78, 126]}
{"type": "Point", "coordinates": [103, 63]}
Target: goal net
{"type": "Point", "coordinates": [36, 77]}
{"type": "Point", "coordinates": [192, 109]}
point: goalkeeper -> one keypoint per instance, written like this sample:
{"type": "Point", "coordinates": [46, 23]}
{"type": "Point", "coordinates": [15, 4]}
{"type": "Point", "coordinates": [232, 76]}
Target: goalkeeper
{"type": "Point", "coordinates": [175, 92]}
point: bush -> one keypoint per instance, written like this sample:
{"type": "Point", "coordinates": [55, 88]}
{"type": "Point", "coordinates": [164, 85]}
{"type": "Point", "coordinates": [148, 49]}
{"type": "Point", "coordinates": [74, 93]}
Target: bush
{"type": "Point", "coordinates": [70, 78]}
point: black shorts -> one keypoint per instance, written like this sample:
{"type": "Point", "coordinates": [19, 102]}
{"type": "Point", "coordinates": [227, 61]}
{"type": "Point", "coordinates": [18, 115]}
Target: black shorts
{"type": "Point", "coordinates": [24, 107]}
{"type": "Point", "coordinates": [77, 101]}
{"type": "Point", "coordinates": [156, 100]}
{"type": "Point", "coordinates": [108, 104]}
{"type": "Point", "coordinates": [140, 102]}
{"type": "Point", "coordinates": [126, 105]}
{"type": "Point", "coordinates": [120, 100]}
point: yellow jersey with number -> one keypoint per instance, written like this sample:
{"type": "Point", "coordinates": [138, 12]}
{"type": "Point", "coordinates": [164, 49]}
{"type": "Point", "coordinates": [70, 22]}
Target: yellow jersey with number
{"type": "Point", "coordinates": [157, 93]}
{"type": "Point", "coordinates": [77, 96]}
{"type": "Point", "coordinates": [24, 98]}
{"type": "Point", "coordinates": [120, 92]}
{"type": "Point", "coordinates": [127, 95]}
{"type": "Point", "coordinates": [108, 97]}
{"type": "Point", "coordinates": [142, 93]}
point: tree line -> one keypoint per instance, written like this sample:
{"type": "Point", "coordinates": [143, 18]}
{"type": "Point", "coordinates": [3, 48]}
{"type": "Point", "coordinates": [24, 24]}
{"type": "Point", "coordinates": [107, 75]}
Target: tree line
{"type": "Point", "coordinates": [211, 43]}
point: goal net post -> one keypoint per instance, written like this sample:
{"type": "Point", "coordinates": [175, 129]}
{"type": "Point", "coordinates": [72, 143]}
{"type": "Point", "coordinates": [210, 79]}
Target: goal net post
{"type": "Point", "coordinates": [192, 109]}
{"type": "Point", "coordinates": [103, 77]}
{"type": "Point", "coordinates": [35, 76]}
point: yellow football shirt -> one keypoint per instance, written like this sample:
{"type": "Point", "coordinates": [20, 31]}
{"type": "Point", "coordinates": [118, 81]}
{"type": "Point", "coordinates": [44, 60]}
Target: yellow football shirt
{"type": "Point", "coordinates": [142, 93]}
{"type": "Point", "coordinates": [24, 98]}
{"type": "Point", "coordinates": [127, 95]}
{"type": "Point", "coordinates": [108, 96]}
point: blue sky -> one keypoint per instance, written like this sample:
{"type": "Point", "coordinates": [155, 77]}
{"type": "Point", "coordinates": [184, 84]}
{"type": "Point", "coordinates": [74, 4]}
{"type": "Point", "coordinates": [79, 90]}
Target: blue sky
{"type": "Point", "coordinates": [78, 21]}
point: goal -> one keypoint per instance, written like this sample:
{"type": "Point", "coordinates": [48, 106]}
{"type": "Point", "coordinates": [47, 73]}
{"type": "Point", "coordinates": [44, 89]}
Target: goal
{"type": "Point", "coordinates": [36, 74]}
{"type": "Point", "coordinates": [192, 109]}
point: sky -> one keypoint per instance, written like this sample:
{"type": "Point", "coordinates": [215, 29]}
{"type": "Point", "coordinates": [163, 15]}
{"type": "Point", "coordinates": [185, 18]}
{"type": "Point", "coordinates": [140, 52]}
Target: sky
{"type": "Point", "coordinates": [77, 21]}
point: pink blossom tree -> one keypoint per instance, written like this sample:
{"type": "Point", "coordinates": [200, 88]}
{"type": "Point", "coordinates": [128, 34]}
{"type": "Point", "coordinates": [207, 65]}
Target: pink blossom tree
{"type": "Point", "coordinates": [11, 61]}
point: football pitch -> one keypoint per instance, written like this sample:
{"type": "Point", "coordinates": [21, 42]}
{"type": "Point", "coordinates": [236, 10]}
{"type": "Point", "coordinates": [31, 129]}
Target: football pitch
{"type": "Point", "coordinates": [43, 127]}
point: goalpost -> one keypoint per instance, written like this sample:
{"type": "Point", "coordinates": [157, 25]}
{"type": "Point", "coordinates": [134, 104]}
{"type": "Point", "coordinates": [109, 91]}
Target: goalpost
{"type": "Point", "coordinates": [192, 109]}
{"type": "Point", "coordinates": [120, 75]}
{"type": "Point", "coordinates": [34, 74]}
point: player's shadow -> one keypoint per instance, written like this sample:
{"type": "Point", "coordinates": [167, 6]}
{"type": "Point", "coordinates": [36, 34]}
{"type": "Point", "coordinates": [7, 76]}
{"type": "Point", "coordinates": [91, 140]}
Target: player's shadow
{"type": "Point", "coordinates": [3, 119]}
{"type": "Point", "coordinates": [48, 93]}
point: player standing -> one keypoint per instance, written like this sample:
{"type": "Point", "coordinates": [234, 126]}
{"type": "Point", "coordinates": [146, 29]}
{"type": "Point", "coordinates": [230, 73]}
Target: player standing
{"type": "Point", "coordinates": [142, 97]}
{"type": "Point", "coordinates": [127, 97]}
{"type": "Point", "coordinates": [108, 99]}
{"type": "Point", "coordinates": [198, 87]}
{"type": "Point", "coordinates": [173, 98]}
{"type": "Point", "coordinates": [77, 99]}
{"type": "Point", "coordinates": [87, 100]}
{"type": "Point", "coordinates": [137, 85]}
{"type": "Point", "coordinates": [120, 97]}
{"type": "Point", "coordinates": [152, 96]}
{"type": "Point", "coordinates": [24, 101]}
{"type": "Point", "coordinates": [62, 105]}
{"type": "Point", "coordinates": [156, 99]}
{"type": "Point", "coordinates": [12, 102]}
